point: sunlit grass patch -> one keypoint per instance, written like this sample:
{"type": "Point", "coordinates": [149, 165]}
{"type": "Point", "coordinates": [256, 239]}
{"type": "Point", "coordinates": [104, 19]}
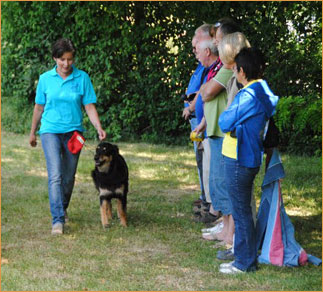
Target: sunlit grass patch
{"type": "Point", "coordinates": [161, 249]}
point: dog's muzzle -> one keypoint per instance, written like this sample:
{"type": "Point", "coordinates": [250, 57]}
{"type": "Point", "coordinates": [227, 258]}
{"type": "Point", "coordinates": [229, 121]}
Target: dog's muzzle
{"type": "Point", "coordinates": [97, 160]}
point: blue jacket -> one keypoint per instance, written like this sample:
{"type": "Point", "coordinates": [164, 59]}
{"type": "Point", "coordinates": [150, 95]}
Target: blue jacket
{"type": "Point", "coordinates": [195, 81]}
{"type": "Point", "coordinates": [274, 230]}
{"type": "Point", "coordinates": [248, 113]}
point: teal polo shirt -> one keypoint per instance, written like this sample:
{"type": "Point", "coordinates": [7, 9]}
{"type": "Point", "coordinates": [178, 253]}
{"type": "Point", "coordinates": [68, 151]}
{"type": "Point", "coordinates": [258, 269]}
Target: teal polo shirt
{"type": "Point", "coordinates": [63, 100]}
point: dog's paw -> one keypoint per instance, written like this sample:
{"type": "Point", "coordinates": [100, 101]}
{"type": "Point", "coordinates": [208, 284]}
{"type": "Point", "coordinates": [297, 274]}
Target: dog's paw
{"type": "Point", "coordinates": [124, 224]}
{"type": "Point", "coordinates": [105, 226]}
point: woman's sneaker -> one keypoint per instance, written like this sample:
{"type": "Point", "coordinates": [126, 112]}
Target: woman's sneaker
{"type": "Point", "coordinates": [226, 265]}
{"type": "Point", "coordinates": [58, 228]}
{"type": "Point", "coordinates": [231, 270]}
{"type": "Point", "coordinates": [228, 268]}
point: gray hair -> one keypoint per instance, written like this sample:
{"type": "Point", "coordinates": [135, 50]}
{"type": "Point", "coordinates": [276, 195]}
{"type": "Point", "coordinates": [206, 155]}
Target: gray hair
{"type": "Point", "coordinates": [204, 29]}
{"type": "Point", "coordinates": [209, 44]}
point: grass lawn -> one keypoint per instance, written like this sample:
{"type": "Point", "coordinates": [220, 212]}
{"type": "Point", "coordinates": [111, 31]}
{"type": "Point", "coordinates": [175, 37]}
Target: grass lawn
{"type": "Point", "coordinates": [162, 248]}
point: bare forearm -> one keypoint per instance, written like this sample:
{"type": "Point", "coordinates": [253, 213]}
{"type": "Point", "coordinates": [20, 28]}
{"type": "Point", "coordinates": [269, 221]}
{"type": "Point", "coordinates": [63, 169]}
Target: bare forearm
{"type": "Point", "coordinates": [94, 118]}
{"type": "Point", "coordinates": [191, 107]}
{"type": "Point", "coordinates": [210, 90]}
{"type": "Point", "coordinates": [201, 127]}
{"type": "Point", "coordinates": [93, 115]}
{"type": "Point", "coordinates": [37, 114]}
{"type": "Point", "coordinates": [192, 104]}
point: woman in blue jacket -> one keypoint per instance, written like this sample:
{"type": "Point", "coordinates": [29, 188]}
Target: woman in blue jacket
{"type": "Point", "coordinates": [244, 123]}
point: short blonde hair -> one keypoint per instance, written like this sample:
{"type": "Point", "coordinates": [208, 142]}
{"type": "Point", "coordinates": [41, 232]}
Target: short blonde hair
{"type": "Point", "coordinates": [230, 46]}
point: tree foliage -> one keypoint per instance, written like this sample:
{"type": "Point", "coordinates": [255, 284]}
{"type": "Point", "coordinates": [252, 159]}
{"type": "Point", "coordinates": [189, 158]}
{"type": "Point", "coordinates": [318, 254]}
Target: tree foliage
{"type": "Point", "coordinates": [138, 55]}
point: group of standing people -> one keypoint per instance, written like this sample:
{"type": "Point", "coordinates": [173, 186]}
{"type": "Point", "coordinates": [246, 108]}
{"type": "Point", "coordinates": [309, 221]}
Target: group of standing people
{"type": "Point", "coordinates": [231, 107]}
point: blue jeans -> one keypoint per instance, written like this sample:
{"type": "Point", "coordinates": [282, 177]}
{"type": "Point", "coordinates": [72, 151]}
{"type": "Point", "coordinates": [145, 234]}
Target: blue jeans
{"type": "Point", "coordinates": [61, 169]}
{"type": "Point", "coordinates": [199, 159]}
{"type": "Point", "coordinates": [218, 188]}
{"type": "Point", "coordinates": [239, 180]}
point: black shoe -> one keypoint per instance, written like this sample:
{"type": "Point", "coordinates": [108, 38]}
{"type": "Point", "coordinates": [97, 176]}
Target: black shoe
{"type": "Point", "coordinates": [208, 218]}
{"type": "Point", "coordinates": [204, 207]}
{"type": "Point", "coordinates": [225, 255]}
{"type": "Point", "coordinates": [197, 202]}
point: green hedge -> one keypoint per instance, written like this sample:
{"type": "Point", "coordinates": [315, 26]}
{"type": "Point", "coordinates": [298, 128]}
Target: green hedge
{"type": "Point", "coordinates": [138, 55]}
{"type": "Point", "coordinates": [299, 120]}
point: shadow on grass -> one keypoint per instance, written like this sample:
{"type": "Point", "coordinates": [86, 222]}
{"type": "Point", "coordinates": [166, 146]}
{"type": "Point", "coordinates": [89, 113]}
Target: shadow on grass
{"type": "Point", "coordinates": [308, 233]}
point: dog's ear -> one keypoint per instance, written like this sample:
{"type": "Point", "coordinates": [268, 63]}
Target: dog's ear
{"type": "Point", "coordinates": [115, 149]}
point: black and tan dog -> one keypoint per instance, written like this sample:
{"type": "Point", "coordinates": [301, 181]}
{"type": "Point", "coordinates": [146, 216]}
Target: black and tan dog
{"type": "Point", "coordinates": [110, 177]}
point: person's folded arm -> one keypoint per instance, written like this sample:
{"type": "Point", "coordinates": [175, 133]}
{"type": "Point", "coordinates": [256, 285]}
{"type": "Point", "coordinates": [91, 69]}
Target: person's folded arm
{"type": "Point", "coordinates": [210, 90]}
{"type": "Point", "coordinates": [239, 111]}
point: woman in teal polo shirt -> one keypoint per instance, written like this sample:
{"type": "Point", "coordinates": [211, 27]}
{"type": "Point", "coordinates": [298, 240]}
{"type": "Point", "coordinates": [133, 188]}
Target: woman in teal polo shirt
{"type": "Point", "coordinates": [60, 94]}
